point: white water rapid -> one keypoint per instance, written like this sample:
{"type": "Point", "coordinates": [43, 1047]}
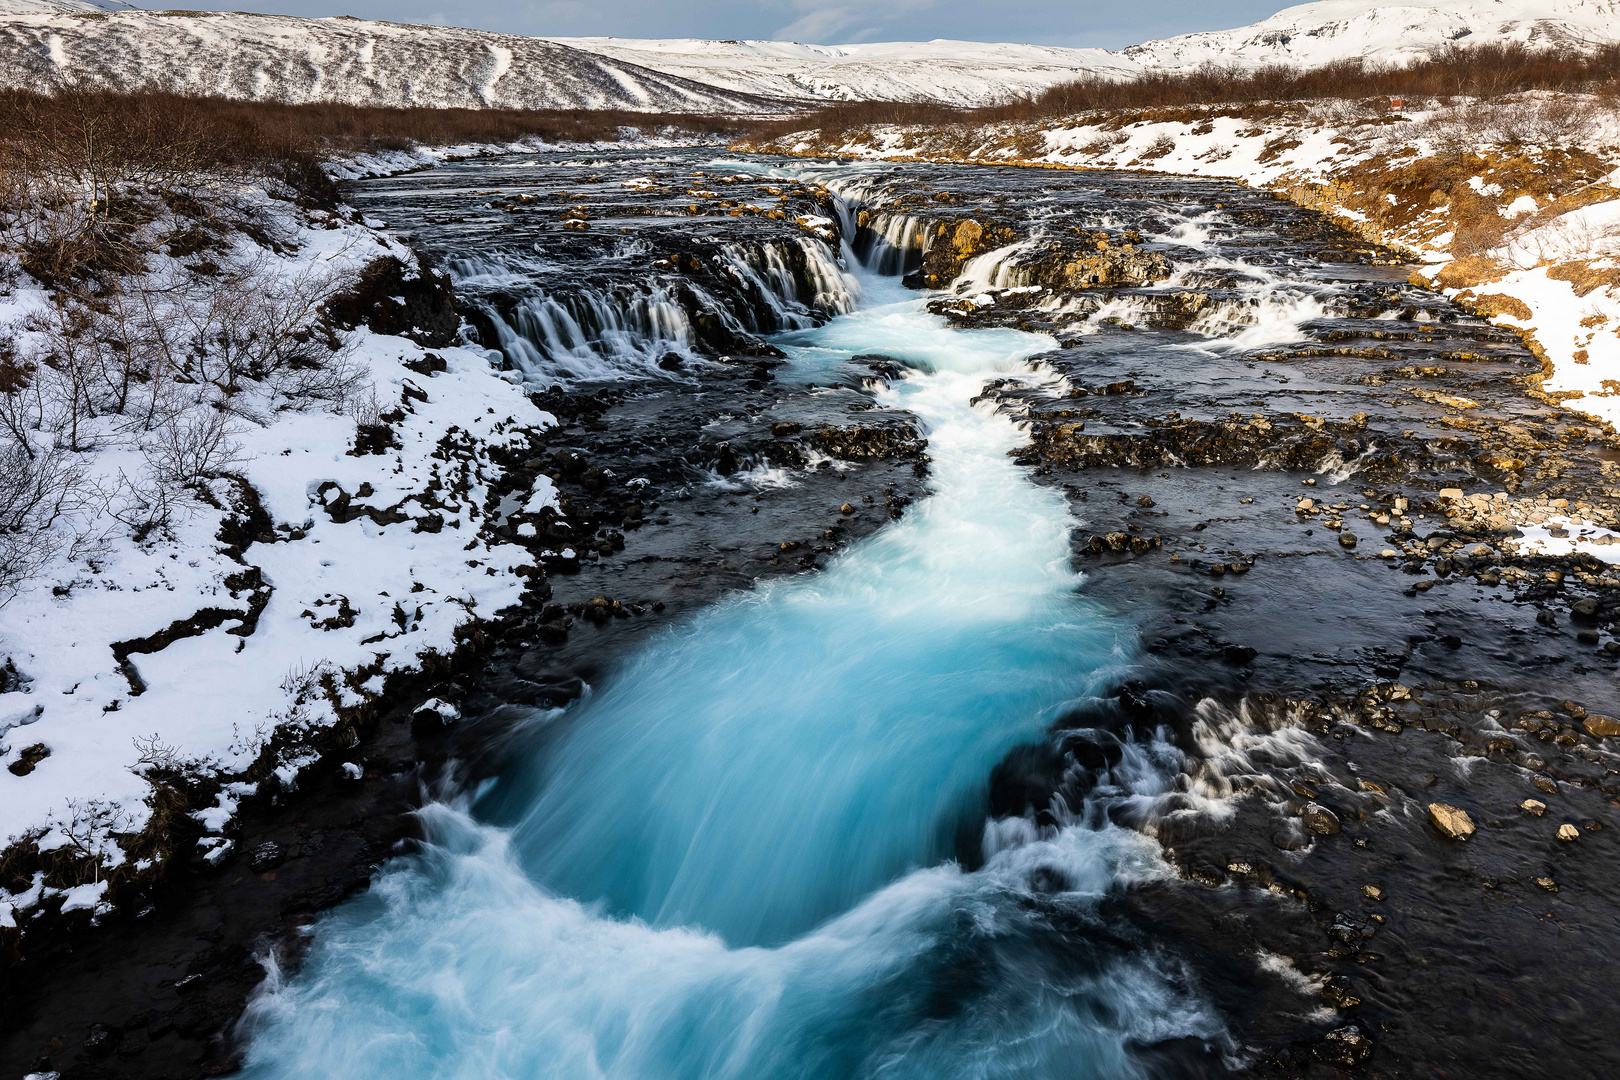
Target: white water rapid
{"type": "Point", "coordinates": [736, 858]}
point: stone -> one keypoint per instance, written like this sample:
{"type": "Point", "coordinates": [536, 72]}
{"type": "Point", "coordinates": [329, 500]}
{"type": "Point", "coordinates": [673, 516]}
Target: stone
{"type": "Point", "coordinates": [1568, 833]}
{"type": "Point", "coordinates": [266, 856]}
{"type": "Point", "coordinates": [1347, 540]}
{"type": "Point", "coordinates": [1451, 493]}
{"type": "Point", "coordinates": [1319, 819]}
{"type": "Point", "coordinates": [1533, 806]}
{"type": "Point", "coordinates": [1372, 892]}
{"type": "Point", "coordinates": [1344, 1046]}
{"type": "Point", "coordinates": [1602, 725]}
{"type": "Point", "coordinates": [1547, 883]}
{"type": "Point", "coordinates": [1545, 783]}
{"type": "Point", "coordinates": [1450, 820]}
{"type": "Point", "coordinates": [847, 508]}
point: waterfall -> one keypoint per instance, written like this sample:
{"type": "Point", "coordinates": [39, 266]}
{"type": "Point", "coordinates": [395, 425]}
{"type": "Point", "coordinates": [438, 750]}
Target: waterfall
{"type": "Point", "coordinates": [549, 329]}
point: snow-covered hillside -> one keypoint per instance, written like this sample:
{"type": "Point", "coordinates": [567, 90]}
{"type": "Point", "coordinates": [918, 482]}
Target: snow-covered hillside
{"type": "Point", "coordinates": [378, 63]}
{"type": "Point", "coordinates": [1389, 30]}
{"type": "Point", "coordinates": [240, 55]}
{"type": "Point", "coordinates": [965, 73]}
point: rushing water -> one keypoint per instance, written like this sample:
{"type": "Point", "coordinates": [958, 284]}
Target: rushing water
{"type": "Point", "coordinates": [736, 859]}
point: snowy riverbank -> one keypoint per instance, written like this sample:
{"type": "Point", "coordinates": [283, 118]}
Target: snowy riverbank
{"type": "Point", "coordinates": [193, 632]}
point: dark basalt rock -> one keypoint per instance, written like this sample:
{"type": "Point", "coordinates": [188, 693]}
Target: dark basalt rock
{"type": "Point", "coordinates": [390, 297]}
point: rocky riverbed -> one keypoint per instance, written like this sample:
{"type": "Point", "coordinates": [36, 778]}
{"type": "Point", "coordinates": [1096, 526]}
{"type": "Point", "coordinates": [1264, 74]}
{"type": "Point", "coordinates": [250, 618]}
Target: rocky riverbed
{"type": "Point", "coordinates": [1371, 569]}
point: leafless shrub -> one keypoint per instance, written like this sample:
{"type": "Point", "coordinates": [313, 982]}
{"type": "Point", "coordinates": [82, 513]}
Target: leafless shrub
{"type": "Point", "coordinates": [38, 490]}
{"type": "Point", "coordinates": [1159, 147]}
{"type": "Point", "coordinates": [194, 447]}
{"type": "Point", "coordinates": [1102, 144]}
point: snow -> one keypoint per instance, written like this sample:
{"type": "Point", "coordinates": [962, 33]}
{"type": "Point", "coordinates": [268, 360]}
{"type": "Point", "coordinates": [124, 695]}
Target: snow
{"type": "Point", "coordinates": [1578, 536]}
{"type": "Point", "coordinates": [1399, 31]}
{"type": "Point", "coordinates": [967, 73]}
{"type": "Point", "coordinates": [355, 61]}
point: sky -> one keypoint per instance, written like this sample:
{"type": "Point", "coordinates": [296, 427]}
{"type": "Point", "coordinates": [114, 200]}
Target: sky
{"type": "Point", "coordinates": [1109, 24]}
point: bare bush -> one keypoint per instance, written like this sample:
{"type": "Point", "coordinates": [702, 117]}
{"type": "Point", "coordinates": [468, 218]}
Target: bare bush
{"type": "Point", "coordinates": [196, 446]}
{"type": "Point", "coordinates": [38, 489]}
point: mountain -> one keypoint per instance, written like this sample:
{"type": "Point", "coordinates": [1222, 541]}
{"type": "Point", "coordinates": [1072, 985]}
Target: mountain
{"type": "Point", "coordinates": [1388, 30]}
{"type": "Point", "coordinates": [361, 62]}
{"type": "Point", "coordinates": [965, 73]}
{"type": "Point", "coordinates": [342, 59]}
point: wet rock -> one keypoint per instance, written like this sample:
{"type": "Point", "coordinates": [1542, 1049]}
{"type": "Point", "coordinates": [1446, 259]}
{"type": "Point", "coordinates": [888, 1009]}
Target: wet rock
{"type": "Point", "coordinates": [1344, 1046]}
{"type": "Point", "coordinates": [1450, 820]}
{"type": "Point", "coordinates": [1568, 833]}
{"type": "Point", "coordinates": [1533, 806]}
{"type": "Point", "coordinates": [1602, 725]}
{"type": "Point", "coordinates": [266, 856]}
{"type": "Point", "coordinates": [1319, 819]}
{"type": "Point", "coordinates": [1291, 838]}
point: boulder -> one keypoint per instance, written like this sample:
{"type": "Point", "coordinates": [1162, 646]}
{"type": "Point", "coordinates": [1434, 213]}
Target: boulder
{"type": "Point", "coordinates": [1450, 820]}
{"type": "Point", "coordinates": [1602, 725]}
{"type": "Point", "coordinates": [1319, 819]}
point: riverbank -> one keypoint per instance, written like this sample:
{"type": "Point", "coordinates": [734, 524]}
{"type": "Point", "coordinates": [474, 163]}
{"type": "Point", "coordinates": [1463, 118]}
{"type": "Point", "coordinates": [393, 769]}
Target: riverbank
{"type": "Point", "coordinates": [1511, 207]}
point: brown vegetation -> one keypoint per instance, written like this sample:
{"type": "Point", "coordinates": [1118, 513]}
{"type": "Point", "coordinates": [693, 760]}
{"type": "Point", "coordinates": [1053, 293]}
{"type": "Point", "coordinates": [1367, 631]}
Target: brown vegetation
{"type": "Point", "coordinates": [1485, 72]}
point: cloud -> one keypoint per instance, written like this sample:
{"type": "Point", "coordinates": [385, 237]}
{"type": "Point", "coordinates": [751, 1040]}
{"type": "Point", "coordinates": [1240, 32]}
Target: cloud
{"type": "Point", "coordinates": [834, 22]}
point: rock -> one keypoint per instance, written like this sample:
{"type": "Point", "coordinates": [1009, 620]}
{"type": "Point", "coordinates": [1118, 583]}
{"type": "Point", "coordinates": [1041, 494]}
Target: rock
{"type": "Point", "coordinates": [30, 756]}
{"type": "Point", "coordinates": [1453, 822]}
{"type": "Point", "coordinates": [436, 711]}
{"type": "Point", "coordinates": [1372, 892]}
{"type": "Point", "coordinates": [1290, 838]}
{"type": "Point", "coordinates": [1568, 833]}
{"type": "Point", "coordinates": [847, 508]}
{"type": "Point", "coordinates": [1602, 725]}
{"type": "Point", "coordinates": [1585, 609]}
{"type": "Point", "coordinates": [1344, 1046]}
{"type": "Point", "coordinates": [1319, 819]}
{"type": "Point", "coordinates": [266, 856]}
{"type": "Point", "coordinates": [1533, 806]}
{"type": "Point", "coordinates": [1455, 494]}
{"type": "Point", "coordinates": [1545, 783]}
{"type": "Point", "coordinates": [1547, 883]}
{"type": "Point", "coordinates": [1347, 540]}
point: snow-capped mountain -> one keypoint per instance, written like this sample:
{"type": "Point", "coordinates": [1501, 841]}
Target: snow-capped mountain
{"type": "Point", "coordinates": [965, 73]}
{"type": "Point", "coordinates": [379, 63]}
{"type": "Point", "coordinates": [1388, 30]}
{"type": "Point", "coordinates": [239, 55]}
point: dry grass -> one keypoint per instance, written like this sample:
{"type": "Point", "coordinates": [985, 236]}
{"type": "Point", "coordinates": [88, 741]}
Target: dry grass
{"type": "Point", "coordinates": [165, 134]}
{"type": "Point", "coordinates": [1485, 72]}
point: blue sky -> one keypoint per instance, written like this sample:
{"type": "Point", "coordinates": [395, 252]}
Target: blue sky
{"type": "Point", "coordinates": [1107, 23]}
